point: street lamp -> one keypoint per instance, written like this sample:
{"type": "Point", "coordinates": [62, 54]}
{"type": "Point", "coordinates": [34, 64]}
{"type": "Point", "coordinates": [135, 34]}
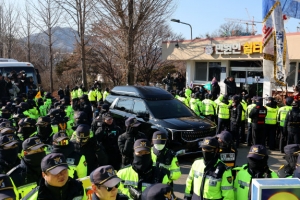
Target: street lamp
{"type": "Point", "coordinates": [178, 21]}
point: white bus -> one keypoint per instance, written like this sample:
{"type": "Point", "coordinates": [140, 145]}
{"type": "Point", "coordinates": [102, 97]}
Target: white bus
{"type": "Point", "coordinates": [9, 65]}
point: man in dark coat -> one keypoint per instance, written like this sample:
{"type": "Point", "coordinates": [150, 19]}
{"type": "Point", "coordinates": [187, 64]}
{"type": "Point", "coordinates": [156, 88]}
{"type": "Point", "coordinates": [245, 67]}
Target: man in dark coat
{"type": "Point", "coordinates": [231, 86]}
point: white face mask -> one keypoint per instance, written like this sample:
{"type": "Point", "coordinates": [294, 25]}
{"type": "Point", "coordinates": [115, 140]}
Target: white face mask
{"type": "Point", "coordinates": [159, 147]}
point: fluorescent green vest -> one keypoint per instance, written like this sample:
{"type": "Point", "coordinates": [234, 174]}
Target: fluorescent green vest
{"type": "Point", "coordinates": [223, 111]}
{"type": "Point", "coordinates": [271, 115]}
{"type": "Point", "coordinates": [282, 112]}
{"type": "Point", "coordinates": [214, 188]}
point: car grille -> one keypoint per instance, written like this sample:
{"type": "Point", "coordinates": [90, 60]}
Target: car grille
{"type": "Point", "coordinates": [191, 136]}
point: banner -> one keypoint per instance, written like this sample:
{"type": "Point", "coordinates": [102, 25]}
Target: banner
{"type": "Point", "coordinates": [275, 54]}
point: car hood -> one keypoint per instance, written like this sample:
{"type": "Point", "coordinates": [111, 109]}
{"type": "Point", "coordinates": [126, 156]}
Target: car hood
{"type": "Point", "coordinates": [185, 123]}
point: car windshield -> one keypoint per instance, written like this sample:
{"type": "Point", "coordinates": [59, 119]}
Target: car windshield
{"type": "Point", "coordinates": [164, 109]}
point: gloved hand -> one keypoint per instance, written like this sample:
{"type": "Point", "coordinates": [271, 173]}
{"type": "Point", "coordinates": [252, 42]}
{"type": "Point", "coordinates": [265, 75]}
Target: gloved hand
{"type": "Point", "coordinates": [135, 193]}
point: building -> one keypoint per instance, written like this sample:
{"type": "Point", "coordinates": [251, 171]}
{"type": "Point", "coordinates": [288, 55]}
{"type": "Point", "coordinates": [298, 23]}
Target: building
{"type": "Point", "coordinates": [238, 56]}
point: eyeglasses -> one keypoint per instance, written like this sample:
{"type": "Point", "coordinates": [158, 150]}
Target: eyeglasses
{"type": "Point", "coordinates": [109, 188]}
{"type": "Point", "coordinates": [62, 142]}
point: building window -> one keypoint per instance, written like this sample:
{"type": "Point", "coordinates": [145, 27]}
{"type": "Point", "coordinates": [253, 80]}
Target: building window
{"type": "Point", "coordinates": [201, 71]}
{"type": "Point", "coordinates": [292, 74]}
{"type": "Point", "coordinates": [213, 69]}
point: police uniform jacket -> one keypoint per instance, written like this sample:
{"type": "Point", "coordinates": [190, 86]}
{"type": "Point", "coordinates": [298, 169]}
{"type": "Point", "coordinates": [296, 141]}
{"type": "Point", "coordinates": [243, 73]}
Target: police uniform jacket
{"type": "Point", "coordinates": [126, 143]}
{"type": "Point", "coordinates": [292, 121]}
{"type": "Point", "coordinates": [76, 161]}
{"type": "Point", "coordinates": [218, 182]}
{"type": "Point", "coordinates": [24, 178]}
{"type": "Point", "coordinates": [243, 181]}
{"type": "Point", "coordinates": [258, 115]}
{"type": "Point", "coordinates": [73, 189]}
{"type": "Point", "coordinates": [94, 154]}
{"type": "Point", "coordinates": [168, 160]}
{"type": "Point", "coordinates": [119, 197]}
{"type": "Point", "coordinates": [130, 177]}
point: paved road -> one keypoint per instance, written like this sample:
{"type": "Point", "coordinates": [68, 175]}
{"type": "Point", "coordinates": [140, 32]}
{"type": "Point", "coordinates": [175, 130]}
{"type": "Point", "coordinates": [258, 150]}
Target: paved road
{"type": "Point", "coordinates": [275, 160]}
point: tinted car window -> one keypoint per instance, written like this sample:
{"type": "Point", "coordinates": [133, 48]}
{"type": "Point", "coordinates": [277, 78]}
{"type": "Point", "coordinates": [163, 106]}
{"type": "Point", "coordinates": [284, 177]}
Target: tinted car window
{"type": "Point", "coordinates": [125, 105]}
{"type": "Point", "coordinates": [165, 109]}
{"type": "Point", "coordinates": [139, 107]}
{"type": "Point", "coordinates": [110, 98]}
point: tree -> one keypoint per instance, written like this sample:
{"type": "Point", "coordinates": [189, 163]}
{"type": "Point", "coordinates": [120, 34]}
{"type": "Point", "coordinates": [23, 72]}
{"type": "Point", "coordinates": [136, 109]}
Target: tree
{"type": "Point", "coordinates": [226, 30]}
{"type": "Point", "coordinates": [80, 11]}
{"type": "Point", "coordinates": [131, 18]}
{"type": "Point", "coordinates": [48, 16]}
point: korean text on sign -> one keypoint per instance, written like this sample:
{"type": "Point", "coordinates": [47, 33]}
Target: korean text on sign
{"type": "Point", "coordinates": [252, 47]}
{"type": "Point", "coordinates": [228, 48]}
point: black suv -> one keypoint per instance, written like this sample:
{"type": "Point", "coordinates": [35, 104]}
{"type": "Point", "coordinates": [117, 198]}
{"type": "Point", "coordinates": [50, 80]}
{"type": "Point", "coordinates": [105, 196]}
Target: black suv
{"type": "Point", "coordinates": [157, 109]}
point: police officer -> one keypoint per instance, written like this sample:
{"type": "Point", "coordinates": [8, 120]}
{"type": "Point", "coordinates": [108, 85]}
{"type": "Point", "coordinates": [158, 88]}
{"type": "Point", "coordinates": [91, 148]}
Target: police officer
{"type": "Point", "coordinates": [242, 126]}
{"type": "Point", "coordinates": [164, 157]}
{"type": "Point", "coordinates": [55, 183]}
{"type": "Point", "coordinates": [41, 107]}
{"type": "Point", "coordinates": [58, 123]}
{"type": "Point", "coordinates": [7, 188]}
{"type": "Point", "coordinates": [8, 152]}
{"type": "Point", "coordinates": [27, 175]}
{"type": "Point", "coordinates": [105, 184]}
{"type": "Point", "coordinates": [26, 128]}
{"type": "Point", "coordinates": [291, 154]}
{"type": "Point", "coordinates": [296, 173]}
{"type": "Point", "coordinates": [5, 112]}
{"type": "Point", "coordinates": [257, 167]}
{"type": "Point", "coordinates": [228, 152]}
{"type": "Point", "coordinates": [236, 110]}
{"type": "Point", "coordinates": [271, 122]}
{"type": "Point", "coordinates": [74, 97]}
{"type": "Point", "coordinates": [107, 135]}
{"type": "Point", "coordinates": [76, 161]}
{"type": "Point", "coordinates": [209, 107]}
{"type": "Point", "coordinates": [281, 115]}
{"type": "Point", "coordinates": [97, 122]}
{"type": "Point", "coordinates": [127, 139]}
{"type": "Point", "coordinates": [209, 177]}
{"type": "Point", "coordinates": [158, 191]}
{"type": "Point", "coordinates": [249, 134]}
{"type": "Point", "coordinates": [87, 146]}
{"type": "Point", "coordinates": [223, 113]}
{"type": "Point", "coordinates": [142, 173]}
{"type": "Point", "coordinates": [44, 130]}
{"type": "Point", "coordinates": [195, 103]}
{"type": "Point", "coordinates": [258, 115]}
{"type": "Point", "coordinates": [85, 106]}
{"type": "Point", "coordinates": [292, 124]}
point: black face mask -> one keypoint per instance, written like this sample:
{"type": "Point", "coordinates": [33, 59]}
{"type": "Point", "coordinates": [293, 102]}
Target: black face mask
{"type": "Point", "coordinates": [27, 131]}
{"type": "Point", "coordinates": [257, 166]}
{"type": "Point", "coordinates": [9, 155]}
{"type": "Point", "coordinates": [142, 163]}
{"type": "Point", "coordinates": [35, 159]}
{"type": "Point", "coordinates": [44, 132]}
{"type": "Point", "coordinates": [6, 115]}
{"type": "Point", "coordinates": [208, 156]}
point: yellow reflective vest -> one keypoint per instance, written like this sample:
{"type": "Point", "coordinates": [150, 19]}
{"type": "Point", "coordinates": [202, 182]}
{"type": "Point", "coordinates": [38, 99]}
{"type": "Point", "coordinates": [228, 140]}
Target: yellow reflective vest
{"type": "Point", "coordinates": [217, 186]}
{"type": "Point", "coordinates": [223, 111]}
{"type": "Point", "coordinates": [242, 182]}
{"type": "Point", "coordinates": [208, 107]}
{"type": "Point", "coordinates": [244, 105]}
{"type": "Point", "coordinates": [173, 167]}
{"type": "Point", "coordinates": [282, 112]}
{"type": "Point", "coordinates": [195, 105]}
{"type": "Point", "coordinates": [249, 108]}
{"type": "Point", "coordinates": [131, 178]}
{"type": "Point", "coordinates": [271, 115]}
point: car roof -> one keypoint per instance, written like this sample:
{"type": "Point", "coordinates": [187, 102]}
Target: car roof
{"type": "Point", "coordinates": [144, 92]}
